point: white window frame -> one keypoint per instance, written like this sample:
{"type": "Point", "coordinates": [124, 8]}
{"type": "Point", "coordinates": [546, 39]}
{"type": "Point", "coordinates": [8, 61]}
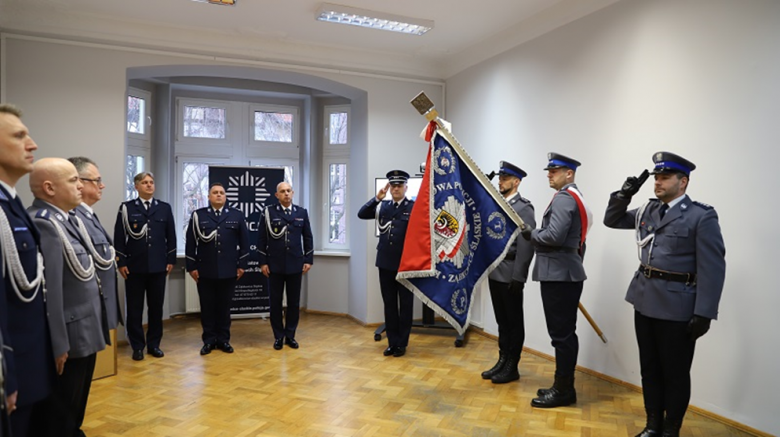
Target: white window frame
{"type": "Point", "coordinates": [275, 146]}
{"type": "Point", "coordinates": [181, 102]}
{"type": "Point", "coordinates": [334, 154]}
{"type": "Point", "coordinates": [147, 117]}
{"type": "Point", "coordinates": [281, 162]}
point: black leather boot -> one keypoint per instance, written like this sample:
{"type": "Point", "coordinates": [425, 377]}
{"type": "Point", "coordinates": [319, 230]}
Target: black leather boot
{"type": "Point", "coordinates": [672, 428]}
{"type": "Point", "coordinates": [487, 374]}
{"type": "Point", "coordinates": [561, 394]}
{"type": "Point", "coordinates": [509, 373]}
{"type": "Point", "coordinates": [655, 425]}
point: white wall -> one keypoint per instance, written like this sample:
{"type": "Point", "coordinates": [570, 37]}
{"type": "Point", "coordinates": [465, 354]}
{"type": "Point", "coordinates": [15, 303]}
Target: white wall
{"type": "Point", "coordinates": [697, 77]}
{"type": "Point", "coordinates": [73, 99]}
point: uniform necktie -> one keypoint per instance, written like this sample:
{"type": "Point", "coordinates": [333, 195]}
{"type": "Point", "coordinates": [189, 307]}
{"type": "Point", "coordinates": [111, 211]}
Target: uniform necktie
{"type": "Point", "coordinates": [147, 204]}
{"type": "Point", "coordinates": [218, 212]}
{"type": "Point", "coordinates": [395, 204]}
{"type": "Point", "coordinates": [664, 207]}
{"type": "Point", "coordinates": [287, 211]}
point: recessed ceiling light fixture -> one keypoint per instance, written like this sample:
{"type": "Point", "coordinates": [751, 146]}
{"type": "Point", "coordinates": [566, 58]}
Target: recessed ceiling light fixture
{"type": "Point", "coordinates": [218, 2]}
{"type": "Point", "coordinates": [372, 19]}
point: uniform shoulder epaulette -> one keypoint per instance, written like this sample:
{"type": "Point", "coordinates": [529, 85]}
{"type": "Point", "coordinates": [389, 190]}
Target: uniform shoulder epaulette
{"type": "Point", "coordinates": [523, 199]}
{"type": "Point", "coordinates": [654, 199]}
{"type": "Point", "coordinates": [703, 205]}
{"type": "Point", "coordinates": [43, 213]}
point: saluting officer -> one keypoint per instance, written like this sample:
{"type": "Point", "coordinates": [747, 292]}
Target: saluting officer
{"type": "Point", "coordinates": [286, 248]}
{"type": "Point", "coordinates": [677, 288]}
{"type": "Point", "coordinates": [145, 243]}
{"type": "Point", "coordinates": [560, 246]}
{"type": "Point", "coordinates": [27, 354]}
{"type": "Point", "coordinates": [217, 254]}
{"type": "Point", "coordinates": [101, 247]}
{"type": "Point", "coordinates": [507, 282]}
{"type": "Point", "coordinates": [392, 218]}
{"type": "Point", "coordinates": [76, 311]}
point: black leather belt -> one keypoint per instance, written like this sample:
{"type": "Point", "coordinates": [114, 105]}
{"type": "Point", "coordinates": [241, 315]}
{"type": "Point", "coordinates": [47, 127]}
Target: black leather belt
{"type": "Point", "coordinates": [650, 272]}
{"type": "Point", "coordinates": [510, 256]}
{"type": "Point", "coordinates": [550, 249]}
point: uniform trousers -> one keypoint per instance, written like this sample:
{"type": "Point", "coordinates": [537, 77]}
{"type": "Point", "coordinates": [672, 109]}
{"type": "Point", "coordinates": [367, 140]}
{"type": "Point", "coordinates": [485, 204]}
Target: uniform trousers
{"type": "Point", "coordinates": [152, 287]}
{"type": "Point", "coordinates": [277, 284]}
{"type": "Point", "coordinates": [665, 358]}
{"type": "Point", "coordinates": [216, 297]}
{"type": "Point", "coordinates": [508, 308]}
{"type": "Point", "coordinates": [21, 418]}
{"type": "Point", "coordinates": [62, 413]}
{"type": "Point", "coordinates": [398, 302]}
{"type": "Point", "coordinates": [560, 301]}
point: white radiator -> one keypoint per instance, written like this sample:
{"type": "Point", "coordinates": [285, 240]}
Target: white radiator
{"type": "Point", "coordinates": [191, 299]}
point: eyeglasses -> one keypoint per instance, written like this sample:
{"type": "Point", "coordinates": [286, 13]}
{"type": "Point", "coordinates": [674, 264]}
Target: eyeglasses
{"type": "Point", "coordinates": [97, 181]}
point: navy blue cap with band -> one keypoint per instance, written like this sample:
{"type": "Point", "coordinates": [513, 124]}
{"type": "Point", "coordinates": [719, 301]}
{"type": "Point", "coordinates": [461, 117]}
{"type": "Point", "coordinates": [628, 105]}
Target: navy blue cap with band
{"type": "Point", "coordinates": [556, 160]}
{"type": "Point", "coordinates": [667, 162]}
{"type": "Point", "coordinates": [397, 176]}
{"type": "Point", "coordinates": [507, 168]}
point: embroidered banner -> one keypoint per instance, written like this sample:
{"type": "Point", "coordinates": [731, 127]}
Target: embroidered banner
{"type": "Point", "coordinates": [459, 231]}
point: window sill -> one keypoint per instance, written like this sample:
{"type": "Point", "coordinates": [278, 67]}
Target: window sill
{"type": "Point", "coordinates": [334, 253]}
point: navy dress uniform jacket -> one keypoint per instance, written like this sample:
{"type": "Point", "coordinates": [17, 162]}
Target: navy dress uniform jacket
{"type": "Point", "coordinates": [392, 223]}
{"type": "Point", "coordinates": [74, 307]}
{"type": "Point", "coordinates": [150, 254]}
{"type": "Point", "coordinates": [227, 252]}
{"type": "Point", "coordinates": [288, 253]}
{"type": "Point", "coordinates": [108, 281]}
{"type": "Point", "coordinates": [557, 241]}
{"type": "Point", "coordinates": [687, 240]}
{"type": "Point", "coordinates": [27, 353]}
{"type": "Point", "coordinates": [514, 267]}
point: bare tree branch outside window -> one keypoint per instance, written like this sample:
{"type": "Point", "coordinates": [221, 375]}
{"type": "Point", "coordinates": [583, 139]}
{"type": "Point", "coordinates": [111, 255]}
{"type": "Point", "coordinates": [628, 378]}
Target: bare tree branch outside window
{"type": "Point", "coordinates": [337, 189]}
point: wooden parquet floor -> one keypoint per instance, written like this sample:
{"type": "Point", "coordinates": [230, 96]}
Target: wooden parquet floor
{"type": "Point", "coordinates": [339, 384]}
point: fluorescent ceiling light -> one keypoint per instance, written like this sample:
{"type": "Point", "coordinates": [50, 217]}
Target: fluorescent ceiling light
{"type": "Point", "coordinates": [372, 19]}
{"type": "Point", "coordinates": [218, 2]}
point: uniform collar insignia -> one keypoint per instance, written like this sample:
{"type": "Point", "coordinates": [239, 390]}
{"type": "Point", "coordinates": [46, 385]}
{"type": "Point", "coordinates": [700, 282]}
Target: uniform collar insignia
{"type": "Point", "coordinates": [59, 217]}
{"type": "Point", "coordinates": [683, 206]}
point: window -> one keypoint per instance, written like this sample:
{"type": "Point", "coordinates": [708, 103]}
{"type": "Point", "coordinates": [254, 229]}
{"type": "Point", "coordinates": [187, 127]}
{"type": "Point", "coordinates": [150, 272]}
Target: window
{"type": "Point", "coordinates": [337, 191]}
{"type": "Point", "coordinates": [335, 169]}
{"type": "Point", "coordinates": [204, 122]}
{"type": "Point", "coordinates": [338, 128]}
{"type": "Point", "coordinates": [134, 164]}
{"type": "Point", "coordinates": [136, 115]}
{"type": "Point", "coordinates": [192, 190]}
{"type": "Point", "coordinates": [273, 126]}
{"type": "Point", "coordinates": [138, 133]}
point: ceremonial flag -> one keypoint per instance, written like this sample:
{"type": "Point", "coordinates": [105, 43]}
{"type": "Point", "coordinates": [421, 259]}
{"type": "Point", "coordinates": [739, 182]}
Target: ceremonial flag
{"type": "Point", "coordinates": [459, 230]}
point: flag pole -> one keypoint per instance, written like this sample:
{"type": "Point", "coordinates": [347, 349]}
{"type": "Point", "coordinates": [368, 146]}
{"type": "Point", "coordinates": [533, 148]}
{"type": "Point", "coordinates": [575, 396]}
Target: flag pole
{"type": "Point", "coordinates": [427, 109]}
{"type": "Point", "coordinates": [592, 323]}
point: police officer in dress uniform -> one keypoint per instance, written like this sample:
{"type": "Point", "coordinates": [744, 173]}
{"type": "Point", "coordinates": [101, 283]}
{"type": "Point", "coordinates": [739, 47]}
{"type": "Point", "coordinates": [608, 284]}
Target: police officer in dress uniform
{"type": "Point", "coordinates": [145, 243]}
{"type": "Point", "coordinates": [392, 218]}
{"type": "Point", "coordinates": [507, 282]}
{"type": "Point", "coordinates": [27, 352]}
{"type": "Point", "coordinates": [286, 248]}
{"type": "Point", "coordinates": [560, 246]}
{"type": "Point", "coordinates": [76, 310]}
{"type": "Point", "coordinates": [217, 254]}
{"type": "Point", "coordinates": [101, 247]}
{"type": "Point", "coordinates": [677, 288]}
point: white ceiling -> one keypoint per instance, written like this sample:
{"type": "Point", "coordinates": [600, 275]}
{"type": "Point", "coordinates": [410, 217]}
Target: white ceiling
{"type": "Point", "coordinates": [465, 31]}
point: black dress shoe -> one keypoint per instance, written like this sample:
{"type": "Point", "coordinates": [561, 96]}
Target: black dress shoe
{"type": "Point", "coordinates": [278, 344]}
{"type": "Point", "coordinates": [156, 352]}
{"type": "Point", "coordinates": [291, 342]}
{"type": "Point", "coordinates": [389, 351]}
{"type": "Point", "coordinates": [399, 351]}
{"type": "Point", "coordinates": [555, 398]}
{"type": "Point", "coordinates": [226, 348]}
{"type": "Point", "coordinates": [206, 349]}
{"type": "Point", "coordinates": [138, 355]}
